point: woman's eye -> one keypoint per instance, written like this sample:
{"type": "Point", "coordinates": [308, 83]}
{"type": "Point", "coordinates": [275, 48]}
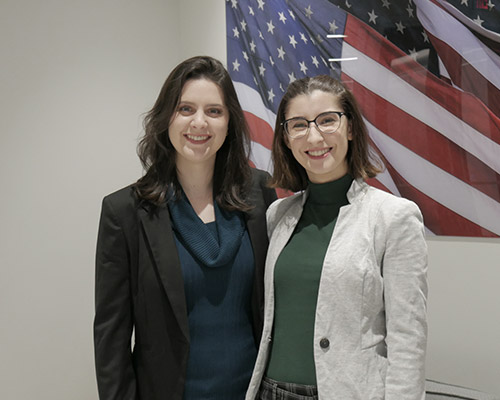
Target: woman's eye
{"type": "Point", "coordinates": [214, 111]}
{"type": "Point", "coordinates": [299, 125]}
{"type": "Point", "coordinates": [183, 109]}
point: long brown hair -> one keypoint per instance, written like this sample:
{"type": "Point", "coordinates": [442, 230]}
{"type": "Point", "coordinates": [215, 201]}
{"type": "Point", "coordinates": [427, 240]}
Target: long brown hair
{"type": "Point", "coordinates": [232, 172]}
{"type": "Point", "coordinates": [288, 173]}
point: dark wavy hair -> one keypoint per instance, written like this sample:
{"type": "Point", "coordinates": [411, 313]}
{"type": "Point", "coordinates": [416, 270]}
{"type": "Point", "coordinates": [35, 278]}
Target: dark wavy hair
{"type": "Point", "coordinates": [232, 172]}
{"type": "Point", "coordinates": [288, 173]}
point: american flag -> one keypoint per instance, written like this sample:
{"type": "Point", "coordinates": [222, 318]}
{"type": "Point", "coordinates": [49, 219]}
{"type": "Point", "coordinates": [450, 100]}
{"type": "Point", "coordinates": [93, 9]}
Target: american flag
{"type": "Point", "coordinates": [425, 72]}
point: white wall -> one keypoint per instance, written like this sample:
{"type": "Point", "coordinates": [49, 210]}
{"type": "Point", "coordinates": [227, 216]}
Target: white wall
{"type": "Point", "coordinates": [75, 78]}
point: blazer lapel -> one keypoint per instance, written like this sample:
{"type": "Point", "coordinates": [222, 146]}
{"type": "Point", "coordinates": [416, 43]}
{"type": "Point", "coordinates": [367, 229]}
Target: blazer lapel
{"type": "Point", "coordinates": [159, 235]}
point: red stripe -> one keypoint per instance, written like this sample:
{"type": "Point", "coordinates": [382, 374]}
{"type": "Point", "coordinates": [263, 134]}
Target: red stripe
{"type": "Point", "coordinates": [425, 141]}
{"type": "Point", "coordinates": [437, 218]}
{"type": "Point", "coordinates": [465, 76]}
{"type": "Point", "coordinates": [492, 44]}
{"type": "Point", "coordinates": [260, 131]}
{"type": "Point", "coordinates": [376, 183]}
{"type": "Point", "coordinates": [461, 104]}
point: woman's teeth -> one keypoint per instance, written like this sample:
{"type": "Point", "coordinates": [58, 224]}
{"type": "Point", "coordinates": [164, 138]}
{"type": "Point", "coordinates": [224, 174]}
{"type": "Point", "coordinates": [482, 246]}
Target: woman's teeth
{"type": "Point", "coordinates": [317, 153]}
{"type": "Point", "coordinates": [197, 138]}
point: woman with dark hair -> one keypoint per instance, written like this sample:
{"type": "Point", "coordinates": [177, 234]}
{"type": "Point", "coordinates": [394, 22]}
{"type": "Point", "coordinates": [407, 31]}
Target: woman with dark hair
{"type": "Point", "coordinates": [345, 281]}
{"type": "Point", "coordinates": [180, 253]}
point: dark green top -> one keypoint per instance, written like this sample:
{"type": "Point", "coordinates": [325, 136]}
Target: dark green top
{"type": "Point", "coordinates": [296, 282]}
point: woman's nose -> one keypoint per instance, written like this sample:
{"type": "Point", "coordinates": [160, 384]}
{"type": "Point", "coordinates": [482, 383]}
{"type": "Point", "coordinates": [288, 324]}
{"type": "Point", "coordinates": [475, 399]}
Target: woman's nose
{"type": "Point", "coordinates": [314, 135]}
{"type": "Point", "coordinates": [199, 120]}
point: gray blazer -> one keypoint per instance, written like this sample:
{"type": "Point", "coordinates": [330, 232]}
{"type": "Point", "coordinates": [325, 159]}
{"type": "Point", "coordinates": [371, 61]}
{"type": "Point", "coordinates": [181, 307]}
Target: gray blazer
{"type": "Point", "coordinates": [370, 328]}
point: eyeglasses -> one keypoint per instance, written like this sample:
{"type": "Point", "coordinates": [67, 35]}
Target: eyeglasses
{"type": "Point", "coordinates": [327, 122]}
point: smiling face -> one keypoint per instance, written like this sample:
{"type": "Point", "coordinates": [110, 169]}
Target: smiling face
{"type": "Point", "coordinates": [199, 125]}
{"type": "Point", "coordinates": [323, 156]}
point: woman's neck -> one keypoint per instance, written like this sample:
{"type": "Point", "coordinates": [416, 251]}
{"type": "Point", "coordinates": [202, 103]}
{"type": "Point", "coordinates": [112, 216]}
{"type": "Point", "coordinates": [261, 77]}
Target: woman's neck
{"type": "Point", "coordinates": [197, 183]}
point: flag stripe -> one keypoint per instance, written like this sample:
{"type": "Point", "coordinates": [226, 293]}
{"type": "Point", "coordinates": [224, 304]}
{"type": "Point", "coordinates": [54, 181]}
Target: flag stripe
{"type": "Point", "coordinates": [425, 141]}
{"type": "Point", "coordinates": [390, 87]}
{"type": "Point", "coordinates": [464, 106]}
{"type": "Point", "coordinates": [444, 26]}
{"type": "Point", "coordinates": [261, 131]}
{"type": "Point", "coordinates": [438, 184]}
{"type": "Point", "coordinates": [464, 75]}
{"type": "Point", "coordinates": [438, 218]}
{"type": "Point", "coordinates": [489, 38]}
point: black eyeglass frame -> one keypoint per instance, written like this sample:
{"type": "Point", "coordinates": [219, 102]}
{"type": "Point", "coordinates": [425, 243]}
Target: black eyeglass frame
{"type": "Point", "coordinates": [285, 123]}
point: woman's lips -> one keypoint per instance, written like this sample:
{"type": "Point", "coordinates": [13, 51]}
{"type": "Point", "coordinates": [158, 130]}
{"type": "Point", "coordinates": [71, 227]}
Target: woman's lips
{"type": "Point", "coordinates": [197, 139]}
{"type": "Point", "coordinates": [319, 153]}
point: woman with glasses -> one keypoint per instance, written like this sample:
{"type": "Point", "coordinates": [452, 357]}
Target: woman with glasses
{"type": "Point", "coordinates": [180, 253]}
{"type": "Point", "coordinates": [345, 282]}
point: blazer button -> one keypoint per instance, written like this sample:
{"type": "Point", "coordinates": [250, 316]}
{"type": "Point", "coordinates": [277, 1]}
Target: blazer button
{"type": "Point", "coordinates": [324, 343]}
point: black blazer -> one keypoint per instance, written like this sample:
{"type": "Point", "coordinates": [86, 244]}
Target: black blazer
{"type": "Point", "coordinates": [140, 289]}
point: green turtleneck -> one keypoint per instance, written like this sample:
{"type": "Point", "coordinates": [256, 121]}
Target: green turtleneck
{"type": "Point", "coordinates": [296, 283]}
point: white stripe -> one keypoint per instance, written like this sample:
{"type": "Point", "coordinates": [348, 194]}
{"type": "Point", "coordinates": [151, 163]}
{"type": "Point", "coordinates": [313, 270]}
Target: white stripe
{"type": "Point", "coordinates": [261, 157]}
{"type": "Point", "coordinates": [442, 25]}
{"type": "Point", "coordinates": [438, 184]}
{"type": "Point", "coordinates": [395, 90]}
{"type": "Point", "coordinates": [470, 23]}
{"type": "Point", "coordinates": [251, 101]}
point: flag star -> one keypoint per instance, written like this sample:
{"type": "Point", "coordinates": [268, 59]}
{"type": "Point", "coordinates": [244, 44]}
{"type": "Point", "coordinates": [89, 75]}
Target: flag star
{"type": "Point", "coordinates": [281, 53]}
{"type": "Point", "coordinates": [245, 56]}
{"type": "Point", "coordinates": [410, 10]}
{"type": "Point", "coordinates": [413, 53]}
{"type": "Point", "coordinates": [291, 14]}
{"type": "Point", "coordinates": [478, 21]}
{"type": "Point", "coordinates": [270, 27]}
{"type": "Point", "coordinates": [315, 61]}
{"type": "Point", "coordinates": [252, 46]}
{"type": "Point", "coordinates": [260, 35]}
{"type": "Point", "coordinates": [385, 3]}
{"type": "Point", "coordinates": [303, 67]}
{"type": "Point", "coordinates": [271, 61]}
{"type": "Point", "coordinates": [261, 4]}
{"type": "Point", "coordinates": [490, 5]}
{"type": "Point", "coordinates": [303, 37]}
{"type": "Point", "coordinates": [270, 95]}
{"type": "Point", "coordinates": [426, 38]}
{"type": "Point", "coordinates": [466, 2]}
{"type": "Point", "coordinates": [262, 69]}
{"type": "Point", "coordinates": [333, 26]}
{"type": "Point", "coordinates": [319, 38]}
{"type": "Point", "coordinates": [291, 77]}
{"type": "Point", "coordinates": [292, 40]}
{"type": "Point", "coordinates": [400, 27]}
{"type": "Point", "coordinates": [234, 3]}
{"type": "Point", "coordinates": [373, 17]}
{"type": "Point", "coordinates": [236, 65]}
{"type": "Point", "coordinates": [243, 26]}
{"type": "Point", "coordinates": [347, 4]}
{"type": "Point", "coordinates": [308, 12]}
{"type": "Point", "coordinates": [235, 32]}
{"type": "Point", "coordinates": [250, 10]}
{"type": "Point", "coordinates": [282, 17]}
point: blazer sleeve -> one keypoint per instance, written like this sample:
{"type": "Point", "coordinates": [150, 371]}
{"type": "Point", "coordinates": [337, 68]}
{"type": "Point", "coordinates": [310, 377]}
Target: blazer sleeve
{"type": "Point", "coordinates": [113, 321]}
{"type": "Point", "coordinates": [404, 269]}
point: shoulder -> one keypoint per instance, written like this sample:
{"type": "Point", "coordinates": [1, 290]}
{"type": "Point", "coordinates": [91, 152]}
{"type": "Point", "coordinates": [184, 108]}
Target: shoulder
{"type": "Point", "coordinates": [123, 201]}
{"type": "Point", "coordinates": [389, 208]}
{"type": "Point", "coordinates": [283, 207]}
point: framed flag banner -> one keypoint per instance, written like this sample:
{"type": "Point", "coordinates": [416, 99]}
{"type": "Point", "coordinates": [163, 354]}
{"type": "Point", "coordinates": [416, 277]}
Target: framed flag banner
{"type": "Point", "coordinates": [425, 72]}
